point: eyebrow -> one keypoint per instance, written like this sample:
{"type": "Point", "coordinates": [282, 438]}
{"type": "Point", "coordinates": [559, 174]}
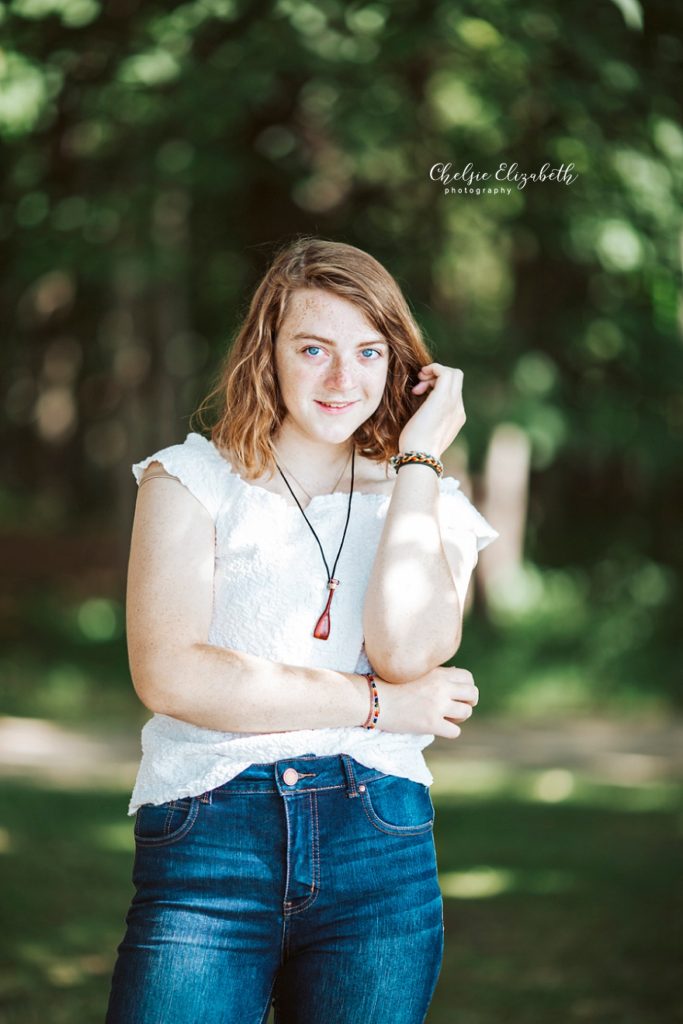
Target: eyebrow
{"type": "Point", "coordinates": [303, 335]}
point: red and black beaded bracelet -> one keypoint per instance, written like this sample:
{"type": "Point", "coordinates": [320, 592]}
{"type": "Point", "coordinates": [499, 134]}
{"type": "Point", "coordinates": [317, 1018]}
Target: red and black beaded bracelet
{"type": "Point", "coordinates": [373, 714]}
{"type": "Point", "coordinates": [424, 458]}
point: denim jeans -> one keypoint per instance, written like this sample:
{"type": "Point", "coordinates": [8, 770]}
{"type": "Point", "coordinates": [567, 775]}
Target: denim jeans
{"type": "Point", "coordinates": [310, 882]}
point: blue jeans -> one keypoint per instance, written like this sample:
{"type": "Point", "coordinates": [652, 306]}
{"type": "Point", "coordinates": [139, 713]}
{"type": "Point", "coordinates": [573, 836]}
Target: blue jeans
{"type": "Point", "coordinates": [310, 881]}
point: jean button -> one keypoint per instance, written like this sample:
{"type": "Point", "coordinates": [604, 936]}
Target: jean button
{"type": "Point", "coordinates": [290, 776]}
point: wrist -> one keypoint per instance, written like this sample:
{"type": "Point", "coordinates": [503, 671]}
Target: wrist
{"type": "Point", "coordinates": [420, 444]}
{"type": "Point", "coordinates": [416, 457]}
{"type": "Point", "coordinates": [372, 717]}
{"type": "Point", "coordinates": [390, 703]}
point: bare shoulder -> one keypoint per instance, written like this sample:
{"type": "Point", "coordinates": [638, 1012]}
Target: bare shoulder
{"type": "Point", "coordinates": [155, 469]}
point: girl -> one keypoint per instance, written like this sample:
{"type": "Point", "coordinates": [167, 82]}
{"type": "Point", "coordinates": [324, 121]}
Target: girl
{"type": "Point", "coordinates": [293, 591]}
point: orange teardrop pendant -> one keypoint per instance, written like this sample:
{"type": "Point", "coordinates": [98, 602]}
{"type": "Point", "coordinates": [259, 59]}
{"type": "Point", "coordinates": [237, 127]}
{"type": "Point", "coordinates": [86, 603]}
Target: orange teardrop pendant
{"type": "Point", "coordinates": [322, 626]}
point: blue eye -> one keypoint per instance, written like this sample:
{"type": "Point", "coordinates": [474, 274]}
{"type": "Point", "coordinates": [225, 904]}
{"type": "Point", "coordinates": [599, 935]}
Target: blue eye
{"type": "Point", "coordinates": [315, 349]}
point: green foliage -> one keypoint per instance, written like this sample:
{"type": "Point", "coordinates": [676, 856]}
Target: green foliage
{"type": "Point", "coordinates": [152, 157]}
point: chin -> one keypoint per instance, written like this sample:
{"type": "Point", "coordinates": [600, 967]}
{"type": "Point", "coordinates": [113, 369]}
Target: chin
{"type": "Point", "coordinates": [344, 424]}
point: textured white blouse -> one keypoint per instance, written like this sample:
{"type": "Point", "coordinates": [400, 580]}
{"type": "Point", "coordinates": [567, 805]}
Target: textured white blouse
{"type": "Point", "coordinates": [270, 587]}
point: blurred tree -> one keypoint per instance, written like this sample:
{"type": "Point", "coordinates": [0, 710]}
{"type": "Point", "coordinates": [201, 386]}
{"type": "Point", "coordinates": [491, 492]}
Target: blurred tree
{"type": "Point", "coordinates": [153, 154]}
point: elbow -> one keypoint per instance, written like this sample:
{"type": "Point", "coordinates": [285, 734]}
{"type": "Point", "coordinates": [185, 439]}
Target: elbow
{"type": "Point", "coordinates": [154, 688]}
{"type": "Point", "coordinates": [405, 665]}
{"type": "Point", "coordinates": [156, 699]}
{"type": "Point", "coordinates": [394, 672]}
{"type": "Point", "coordinates": [402, 669]}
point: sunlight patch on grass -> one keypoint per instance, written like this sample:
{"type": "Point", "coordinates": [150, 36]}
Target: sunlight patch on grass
{"type": "Point", "coordinates": [63, 971]}
{"type": "Point", "coordinates": [469, 782]}
{"type": "Point", "coordinates": [477, 883]}
{"type": "Point", "coordinates": [116, 837]}
{"type": "Point", "coordinates": [479, 778]}
{"type": "Point", "coordinates": [485, 881]}
{"type": "Point", "coordinates": [66, 972]}
{"type": "Point", "coordinates": [627, 768]}
{"type": "Point", "coordinates": [554, 785]}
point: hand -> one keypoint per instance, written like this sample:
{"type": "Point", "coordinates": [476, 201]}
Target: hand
{"type": "Point", "coordinates": [431, 704]}
{"type": "Point", "coordinates": [436, 424]}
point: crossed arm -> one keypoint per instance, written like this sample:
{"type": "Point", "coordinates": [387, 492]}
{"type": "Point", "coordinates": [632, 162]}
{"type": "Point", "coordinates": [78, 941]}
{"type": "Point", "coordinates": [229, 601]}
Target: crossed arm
{"type": "Point", "coordinates": [412, 617]}
{"type": "Point", "coordinates": [169, 605]}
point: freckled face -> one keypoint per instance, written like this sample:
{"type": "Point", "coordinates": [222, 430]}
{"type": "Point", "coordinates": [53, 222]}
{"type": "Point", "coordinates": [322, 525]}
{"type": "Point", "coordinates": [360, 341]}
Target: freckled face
{"type": "Point", "coordinates": [328, 352]}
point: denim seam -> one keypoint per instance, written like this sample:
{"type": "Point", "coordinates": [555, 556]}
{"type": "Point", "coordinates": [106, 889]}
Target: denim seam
{"type": "Point", "coordinates": [287, 873]}
{"type": "Point", "coordinates": [169, 817]}
{"type": "Point", "coordinates": [284, 941]}
{"type": "Point", "coordinates": [387, 827]}
{"type": "Point", "coordinates": [239, 792]}
{"type": "Point", "coordinates": [316, 843]}
{"type": "Point", "coordinates": [302, 789]}
{"type": "Point", "coordinates": [350, 776]}
{"type": "Point", "coordinates": [173, 837]}
{"type": "Point", "coordinates": [320, 789]}
{"type": "Point", "coordinates": [315, 869]}
{"type": "Point", "coordinates": [264, 1015]}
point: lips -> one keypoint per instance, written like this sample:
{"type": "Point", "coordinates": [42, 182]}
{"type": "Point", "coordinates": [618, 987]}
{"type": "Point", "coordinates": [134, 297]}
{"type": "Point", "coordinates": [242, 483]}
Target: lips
{"type": "Point", "coordinates": [334, 405]}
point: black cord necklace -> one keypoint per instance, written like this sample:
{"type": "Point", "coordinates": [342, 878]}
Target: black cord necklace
{"type": "Point", "coordinates": [322, 627]}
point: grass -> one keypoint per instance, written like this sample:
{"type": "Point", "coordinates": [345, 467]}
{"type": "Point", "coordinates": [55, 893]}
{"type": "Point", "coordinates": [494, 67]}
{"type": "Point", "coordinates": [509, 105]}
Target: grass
{"type": "Point", "coordinates": [558, 899]}
{"type": "Point", "coordinates": [557, 913]}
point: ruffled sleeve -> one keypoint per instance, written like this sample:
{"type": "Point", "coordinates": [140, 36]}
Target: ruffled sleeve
{"type": "Point", "coordinates": [198, 465]}
{"type": "Point", "coordinates": [458, 514]}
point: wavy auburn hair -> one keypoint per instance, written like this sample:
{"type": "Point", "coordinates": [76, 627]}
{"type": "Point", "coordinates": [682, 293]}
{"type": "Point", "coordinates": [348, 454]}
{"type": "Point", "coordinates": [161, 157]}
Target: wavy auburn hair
{"type": "Point", "coordinates": [251, 407]}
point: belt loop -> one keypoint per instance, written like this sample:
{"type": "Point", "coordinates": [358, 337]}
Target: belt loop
{"type": "Point", "coordinates": [351, 790]}
{"type": "Point", "coordinates": [205, 798]}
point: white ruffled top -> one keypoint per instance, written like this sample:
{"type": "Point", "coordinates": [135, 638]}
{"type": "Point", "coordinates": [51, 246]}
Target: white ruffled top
{"type": "Point", "coordinates": [269, 589]}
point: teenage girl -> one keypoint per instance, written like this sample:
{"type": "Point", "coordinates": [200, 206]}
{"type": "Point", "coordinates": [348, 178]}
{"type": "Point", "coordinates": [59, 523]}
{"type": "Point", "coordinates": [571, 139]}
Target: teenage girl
{"type": "Point", "coordinates": [295, 585]}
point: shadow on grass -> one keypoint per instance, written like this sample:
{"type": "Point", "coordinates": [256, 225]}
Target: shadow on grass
{"type": "Point", "coordinates": [66, 866]}
{"type": "Point", "coordinates": [553, 913]}
{"type": "Point", "coordinates": [558, 913]}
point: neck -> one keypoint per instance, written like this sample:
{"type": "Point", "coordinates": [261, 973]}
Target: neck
{"type": "Point", "coordinates": [307, 456]}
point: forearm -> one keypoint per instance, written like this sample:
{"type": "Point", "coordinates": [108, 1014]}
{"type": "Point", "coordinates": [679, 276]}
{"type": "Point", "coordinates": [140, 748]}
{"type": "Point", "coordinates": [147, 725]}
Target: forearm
{"type": "Point", "coordinates": [232, 691]}
{"type": "Point", "coordinates": [412, 614]}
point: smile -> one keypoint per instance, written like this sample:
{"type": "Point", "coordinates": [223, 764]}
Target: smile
{"type": "Point", "coordinates": [334, 407]}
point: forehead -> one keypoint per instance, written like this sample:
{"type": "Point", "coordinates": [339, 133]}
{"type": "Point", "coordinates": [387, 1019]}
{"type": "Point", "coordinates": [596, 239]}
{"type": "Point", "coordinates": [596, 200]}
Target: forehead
{"type": "Point", "coordinates": [322, 311]}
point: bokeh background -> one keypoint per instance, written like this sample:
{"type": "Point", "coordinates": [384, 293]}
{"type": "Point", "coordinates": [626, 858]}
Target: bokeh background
{"type": "Point", "coordinates": [153, 157]}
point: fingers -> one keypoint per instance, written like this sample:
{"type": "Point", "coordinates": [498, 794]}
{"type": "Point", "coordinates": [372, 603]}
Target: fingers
{"type": "Point", "coordinates": [470, 694]}
{"type": "Point", "coordinates": [434, 373]}
{"type": "Point", "coordinates": [428, 377]}
{"type": "Point", "coordinates": [460, 711]}
{"type": "Point", "coordinates": [449, 729]}
{"type": "Point", "coordinates": [462, 696]}
{"type": "Point", "coordinates": [463, 686]}
{"type": "Point", "coordinates": [436, 369]}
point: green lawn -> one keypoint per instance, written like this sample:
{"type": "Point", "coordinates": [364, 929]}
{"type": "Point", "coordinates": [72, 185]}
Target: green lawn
{"type": "Point", "coordinates": [559, 895]}
{"type": "Point", "coordinates": [558, 912]}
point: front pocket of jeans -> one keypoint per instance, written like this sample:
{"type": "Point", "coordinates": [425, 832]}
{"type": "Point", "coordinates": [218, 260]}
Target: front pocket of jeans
{"type": "Point", "coordinates": [398, 805]}
{"type": "Point", "coordinates": [163, 824]}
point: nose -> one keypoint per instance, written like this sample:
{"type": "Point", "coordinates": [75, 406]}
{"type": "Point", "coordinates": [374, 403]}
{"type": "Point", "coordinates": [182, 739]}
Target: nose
{"type": "Point", "coordinates": [340, 374]}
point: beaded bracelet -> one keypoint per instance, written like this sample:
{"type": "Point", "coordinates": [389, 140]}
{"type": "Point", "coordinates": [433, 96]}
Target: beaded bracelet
{"type": "Point", "coordinates": [424, 458]}
{"type": "Point", "coordinates": [373, 714]}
